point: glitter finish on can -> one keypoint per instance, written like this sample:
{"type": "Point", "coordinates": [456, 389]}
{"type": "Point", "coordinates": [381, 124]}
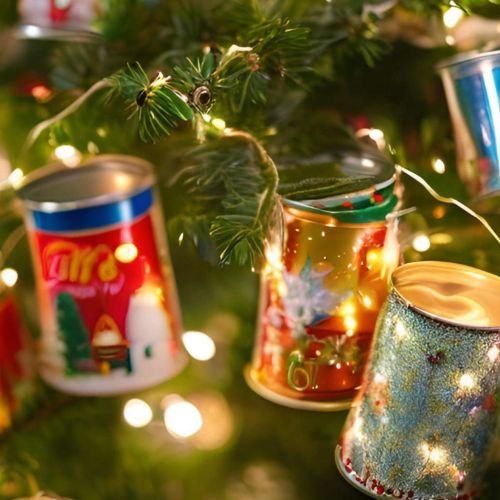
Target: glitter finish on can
{"type": "Point", "coordinates": [424, 423]}
{"type": "Point", "coordinates": [107, 298]}
{"type": "Point", "coordinates": [472, 86]}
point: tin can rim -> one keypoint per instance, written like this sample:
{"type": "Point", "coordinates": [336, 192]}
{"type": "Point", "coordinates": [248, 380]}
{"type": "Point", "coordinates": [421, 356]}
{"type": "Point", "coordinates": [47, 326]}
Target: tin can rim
{"type": "Point", "coordinates": [43, 174]}
{"type": "Point", "coordinates": [465, 57]}
{"type": "Point", "coordinates": [450, 266]}
{"type": "Point", "coordinates": [71, 33]}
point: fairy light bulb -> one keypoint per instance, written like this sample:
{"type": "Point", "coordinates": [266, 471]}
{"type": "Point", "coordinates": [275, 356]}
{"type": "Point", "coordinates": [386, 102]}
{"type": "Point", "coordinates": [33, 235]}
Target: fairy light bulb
{"type": "Point", "coordinates": [452, 16]}
{"type": "Point", "coordinates": [400, 330]}
{"type": "Point", "coordinates": [16, 176]}
{"type": "Point", "coordinates": [137, 413]}
{"type": "Point", "coordinates": [68, 154]}
{"type": "Point", "coordinates": [350, 323]}
{"type": "Point", "coordinates": [9, 276]}
{"type": "Point", "coordinates": [438, 166]}
{"type": "Point", "coordinates": [182, 419]}
{"type": "Point", "coordinates": [421, 243]}
{"type": "Point", "coordinates": [199, 345]}
{"type": "Point", "coordinates": [434, 454]}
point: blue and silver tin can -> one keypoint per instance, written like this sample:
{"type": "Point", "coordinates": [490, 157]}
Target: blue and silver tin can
{"type": "Point", "coordinates": [472, 86]}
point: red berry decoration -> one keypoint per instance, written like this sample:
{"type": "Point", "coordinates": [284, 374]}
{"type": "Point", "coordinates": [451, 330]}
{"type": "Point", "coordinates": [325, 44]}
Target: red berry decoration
{"type": "Point", "coordinates": [347, 204]}
{"type": "Point", "coordinates": [378, 198]}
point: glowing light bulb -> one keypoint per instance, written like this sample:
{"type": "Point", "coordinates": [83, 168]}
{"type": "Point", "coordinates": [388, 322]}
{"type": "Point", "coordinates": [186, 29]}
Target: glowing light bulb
{"type": "Point", "coordinates": [450, 40]}
{"type": "Point", "coordinates": [137, 413]}
{"type": "Point", "coordinates": [219, 123]}
{"type": "Point", "coordinates": [466, 381]}
{"type": "Point", "coordinates": [435, 454]}
{"type": "Point", "coordinates": [439, 212]}
{"type": "Point", "coordinates": [207, 118]}
{"type": "Point", "coordinates": [421, 243]}
{"type": "Point", "coordinates": [16, 176]}
{"type": "Point", "coordinates": [438, 166]}
{"type": "Point", "coordinates": [9, 276]}
{"type": "Point", "coordinates": [199, 345]}
{"type": "Point", "coordinates": [441, 238]}
{"type": "Point", "coordinates": [347, 308]}
{"type": "Point", "coordinates": [126, 253]}
{"type": "Point", "coordinates": [69, 155]}
{"type": "Point", "coordinates": [493, 353]}
{"type": "Point", "coordinates": [41, 92]}
{"type": "Point", "coordinates": [182, 419]}
{"type": "Point", "coordinates": [376, 134]}
{"type": "Point", "coordinates": [452, 16]}
{"type": "Point", "coordinates": [379, 378]}
{"type": "Point", "coordinates": [374, 258]}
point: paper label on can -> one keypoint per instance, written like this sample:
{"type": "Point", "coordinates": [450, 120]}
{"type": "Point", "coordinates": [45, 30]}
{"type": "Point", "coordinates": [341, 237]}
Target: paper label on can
{"type": "Point", "coordinates": [107, 293]}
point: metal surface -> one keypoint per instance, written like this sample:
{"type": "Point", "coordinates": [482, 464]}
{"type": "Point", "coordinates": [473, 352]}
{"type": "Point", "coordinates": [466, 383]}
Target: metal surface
{"type": "Point", "coordinates": [472, 87]}
{"type": "Point", "coordinates": [101, 180]}
{"type": "Point", "coordinates": [452, 293]}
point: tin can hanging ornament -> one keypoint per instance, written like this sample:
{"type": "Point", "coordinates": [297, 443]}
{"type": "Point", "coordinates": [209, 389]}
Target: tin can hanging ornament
{"type": "Point", "coordinates": [322, 287]}
{"type": "Point", "coordinates": [472, 86]}
{"type": "Point", "coordinates": [69, 20]}
{"type": "Point", "coordinates": [108, 304]}
{"type": "Point", "coordinates": [424, 424]}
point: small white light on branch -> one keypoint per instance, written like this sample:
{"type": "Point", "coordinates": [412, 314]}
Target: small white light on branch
{"type": "Point", "coordinates": [421, 243]}
{"type": "Point", "coordinates": [182, 419]}
{"type": "Point", "coordinates": [466, 381]}
{"type": "Point", "coordinates": [438, 166]}
{"type": "Point", "coordinates": [493, 353]}
{"type": "Point", "coordinates": [137, 413]}
{"type": "Point", "coordinates": [16, 176]}
{"type": "Point", "coordinates": [452, 17]}
{"type": "Point", "coordinates": [68, 154]}
{"type": "Point", "coordinates": [126, 253]}
{"type": "Point", "coordinates": [199, 345]}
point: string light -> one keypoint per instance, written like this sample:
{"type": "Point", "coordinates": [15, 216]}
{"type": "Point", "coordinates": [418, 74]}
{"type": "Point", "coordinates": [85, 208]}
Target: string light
{"type": "Point", "coordinates": [452, 16]}
{"type": "Point", "coordinates": [421, 243]}
{"type": "Point", "coordinates": [400, 329]}
{"type": "Point", "coordinates": [433, 453]}
{"type": "Point", "coordinates": [441, 238]}
{"type": "Point", "coordinates": [137, 413]}
{"type": "Point", "coordinates": [182, 419]}
{"type": "Point", "coordinates": [219, 123]}
{"type": "Point", "coordinates": [199, 345]}
{"type": "Point", "coordinates": [9, 276]}
{"type": "Point", "coordinates": [350, 323]}
{"type": "Point", "coordinates": [68, 154]}
{"type": "Point", "coordinates": [16, 176]}
{"type": "Point", "coordinates": [438, 166]}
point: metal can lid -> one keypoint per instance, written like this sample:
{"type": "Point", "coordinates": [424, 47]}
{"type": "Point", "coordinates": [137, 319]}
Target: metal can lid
{"type": "Point", "coordinates": [101, 180]}
{"type": "Point", "coordinates": [452, 293]}
{"type": "Point", "coordinates": [467, 60]}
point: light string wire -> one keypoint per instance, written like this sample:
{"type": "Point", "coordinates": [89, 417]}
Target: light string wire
{"type": "Point", "coordinates": [450, 201]}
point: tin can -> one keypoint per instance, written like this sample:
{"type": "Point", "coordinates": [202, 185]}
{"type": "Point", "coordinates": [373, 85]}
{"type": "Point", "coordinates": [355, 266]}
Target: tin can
{"type": "Point", "coordinates": [69, 20]}
{"type": "Point", "coordinates": [472, 86]}
{"type": "Point", "coordinates": [321, 290]}
{"type": "Point", "coordinates": [108, 304]}
{"type": "Point", "coordinates": [424, 424]}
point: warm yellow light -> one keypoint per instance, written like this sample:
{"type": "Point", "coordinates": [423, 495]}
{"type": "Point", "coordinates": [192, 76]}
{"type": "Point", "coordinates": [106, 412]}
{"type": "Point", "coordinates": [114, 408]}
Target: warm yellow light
{"type": "Point", "coordinates": [16, 176]}
{"type": "Point", "coordinates": [441, 238]}
{"type": "Point", "coordinates": [126, 253]}
{"type": "Point", "coordinates": [349, 333]}
{"type": "Point", "coordinates": [421, 243]}
{"type": "Point", "coordinates": [273, 257]}
{"type": "Point", "coordinates": [9, 276]}
{"type": "Point", "coordinates": [493, 353]}
{"type": "Point", "coordinates": [207, 118]}
{"type": "Point", "coordinates": [350, 323]}
{"type": "Point", "coordinates": [466, 381]}
{"type": "Point", "coordinates": [376, 134]}
{"type": "Point", "coordinates": [379, 379]}
{"type": "Point", "coordinates": [438, 166]}
{"type": "Point", "coordinates": [199, 345]}
{"type": "Point", "coordinates": [69, 155]}
{"type": "Point", "coordinates": [219, 123]}
{"type": "Point", "coordinates": [450, 40]}
{"type": "Point", "coordinates": [182, 419]}
{"type": "Point", "coordinates": [439, 212]}
{"type": "Point", "coordinates": [137, 413]}
{"type": "Point", "coordinates": [452, 17]}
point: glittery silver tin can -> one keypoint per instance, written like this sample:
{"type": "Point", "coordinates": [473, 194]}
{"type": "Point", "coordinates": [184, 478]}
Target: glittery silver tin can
{"type": "Point", "coordinates": [425, 420]}
{"type": "Point", "coordinates": [472, 86]}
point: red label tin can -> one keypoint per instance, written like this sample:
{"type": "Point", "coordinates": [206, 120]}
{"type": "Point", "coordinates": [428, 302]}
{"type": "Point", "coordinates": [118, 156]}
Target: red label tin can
{"type": "Point", "coordinates": [108, 303]}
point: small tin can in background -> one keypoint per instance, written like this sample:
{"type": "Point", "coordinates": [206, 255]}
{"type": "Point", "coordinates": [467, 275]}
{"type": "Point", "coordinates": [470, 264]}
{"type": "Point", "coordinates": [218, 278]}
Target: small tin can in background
{"type": "Point", "coordinates": [472, 86]}
{"type": "Point", "coordinates": [425, 421]}
{"type": "Point", "coordinates": [108, 303]}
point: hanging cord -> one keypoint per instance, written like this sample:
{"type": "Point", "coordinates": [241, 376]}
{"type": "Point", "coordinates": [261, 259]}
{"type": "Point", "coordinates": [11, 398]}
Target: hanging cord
{"type": "Point", "coordinates": [40, 127]}
{"type": "Point", "coordinates": [450, 201]}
